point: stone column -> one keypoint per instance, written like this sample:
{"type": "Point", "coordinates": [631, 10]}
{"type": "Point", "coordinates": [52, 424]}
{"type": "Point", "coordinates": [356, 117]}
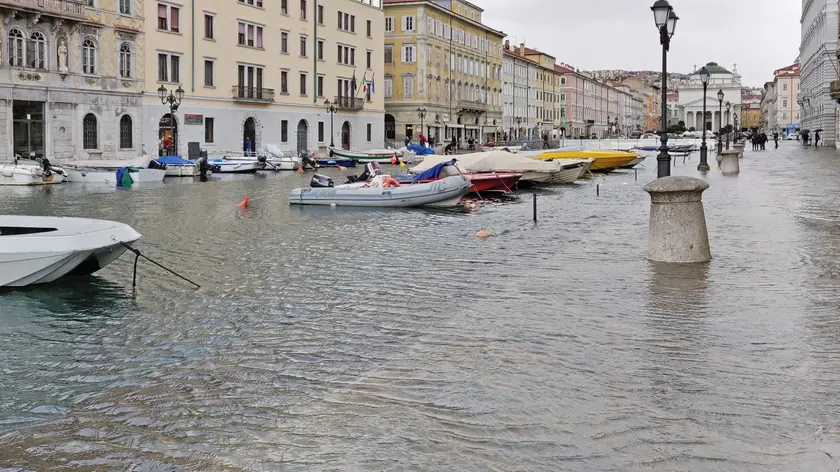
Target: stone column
{"type": "Point", "coordinates": [729, 161]}
{"type": "Point", "coordinates": [678, 231]}
{"type": "Point", "coordinates": [739, 146]}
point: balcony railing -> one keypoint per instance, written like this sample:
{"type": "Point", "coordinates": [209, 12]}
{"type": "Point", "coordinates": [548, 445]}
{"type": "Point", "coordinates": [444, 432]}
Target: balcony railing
{"type": "Point", "coordinates": [349, 103]}
{"type": "Point", "coordinates": [253, 94]}
{"type": "Point", "coordinates": [71, 9]}
{"type": "Point", "coordinates": [472, 105]}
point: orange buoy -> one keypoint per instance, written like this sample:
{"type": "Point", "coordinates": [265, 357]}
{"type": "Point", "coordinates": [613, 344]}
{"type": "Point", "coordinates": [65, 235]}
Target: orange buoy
{"type": "Point", "coordinates": [394, 160]}
{"type": "Point", "coordinates": [244, 202]}
{"type": "Point", "coordinates": [482, 233]}
{"type": "Point", "coordinates": [341, 167]}
{"type": "Point", "coordinates": [300, 169]}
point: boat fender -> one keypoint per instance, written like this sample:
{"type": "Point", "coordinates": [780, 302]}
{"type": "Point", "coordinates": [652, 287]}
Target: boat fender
{"type": "Point", "coordinates": [389, 182]}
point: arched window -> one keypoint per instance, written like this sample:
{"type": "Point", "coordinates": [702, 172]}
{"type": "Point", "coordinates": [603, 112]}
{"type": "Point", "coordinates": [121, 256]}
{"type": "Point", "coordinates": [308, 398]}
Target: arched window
{"type": "Point", "coordinates": [16, 48]}
{"type": "Point", "coordinates": [37, 51]}
{"type": "Point", "coordinates": [88, 56]}
{"type": "Point", "coordinates": [89, 135]}
{"type": "Point", "coordinates": [126, 141]}
{"type": "Point", "coordinates": [125, 60]}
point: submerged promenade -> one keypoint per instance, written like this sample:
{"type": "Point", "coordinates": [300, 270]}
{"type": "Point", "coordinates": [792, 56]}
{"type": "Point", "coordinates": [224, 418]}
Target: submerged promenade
{"type": "Point", "coordinates": [354, 340]}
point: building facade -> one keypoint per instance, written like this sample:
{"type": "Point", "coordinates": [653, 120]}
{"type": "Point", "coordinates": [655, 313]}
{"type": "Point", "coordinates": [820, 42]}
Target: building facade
{"type": "Point", "coordinates": [71, 78]}
{"type": "Point", "coordinates": [531, 105]}
{"type": "Point", "coordinates": [750, 110]}
{"type": "Point", "coordinates": [675, 113]}
{"type": "Point", "coordinates": [443, 71]}
{"type": "Point", "coordinates": [767, 121]}
{"type": "Point", "coordinates": [691, 99]}
{"type": "Point", "coordinates": [817, 56]}
{"type": "Point", "coordinates": [786, 110]}
{"type": "Point", "coordinates": [652, 102]}
{"type": "Point", "coordinates": [590, 107]}
{"type": "Point", "coordinates": [256, 72]}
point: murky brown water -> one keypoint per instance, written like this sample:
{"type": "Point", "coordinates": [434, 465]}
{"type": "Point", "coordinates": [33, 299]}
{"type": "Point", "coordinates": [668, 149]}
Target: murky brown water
{"type": "Point", "coordinates": [393, 340]}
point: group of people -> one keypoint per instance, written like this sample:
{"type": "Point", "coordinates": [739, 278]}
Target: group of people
{"type": "Point", "coordinates": [760, 140]}
{"type": "Point", "coordinates": [806, 138]}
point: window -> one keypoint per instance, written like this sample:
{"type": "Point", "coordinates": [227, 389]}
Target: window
{"type": "Point", "coordinates": [320, 49]}
{"type": "Point", "coordinates": [303, 9]}
{"type": "Point", "coordinates": [125, 7]}
{"type": "Point", "coordinates": [126, 141]}
{"type": "Point", "coordinates": [303, 46]}
{"type": "Point", "coordinates": [209, 27]}
{"type": "Point", "coordinates": [346, 55]}
{"type": "Point", "coordinates": [16, 48]}
{"type": "Point", "coordinates": [168, 17]}
{"type": "Point", "coordinates": [369, 59]}
{"type": "Point", "coordinates": [784, 103]}
{"type": "Point", "coordinates": [389, 54]}
{"type": "Point", "coordinates": [88, 57]}
{"type": "Point", "coordinates": [389, 25]}
{"type": "Point", "coordinates": [250, 35]}
{"type": "Point", "coordinates": [208, 130]}
{"type": "Point", "coordinates": [320, 14]}
{"type": "Point", "coordinates": [284, 7]}
{"type": "Point", "coordinates": [284, 82]}
{"type": "Point", "coordinates": [320, 82]}
{"type": "Point", "coordinates": [408, 87]}
{"type": "Point", "coordinates": [784, 87]}
{"type": "Point", "coordinates": [408, 54]}
{"type": "Point", "coordinates": [256, 3]}
{"type": "Point", "coordinates": [37, 51]}
{"type": "Point", "coordinates": [408, 23]}
{"type": "Point", "coordinates": [169, 68]}
{"type": "Point", "coordinates": [125, 60]}
{"type": "Point", "coordinates": [89, 135]}
{"type": "Point", "coordinates": [347, 22]}
{"type": "Point", "coordinates": [389, 87]}
{"type": "Point", "coordinates": [369, 28]}
{"type": "Point", "coordinates": [369, 132]}
{"type": "Point", "coordinates": [250, 82]}
{"type": "Point", "coordinates": [284, 42]}
{"type": "Point", "coordinates": [209, 73]}
{"type": "Point", "coordinates": [284, 131]}
{"type": "Point", "coordinates": [302, 83]}
{"type": "Point", "coordinates": [320, 131]}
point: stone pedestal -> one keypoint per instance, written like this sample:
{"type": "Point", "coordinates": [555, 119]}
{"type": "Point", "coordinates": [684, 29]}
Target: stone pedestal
{"type": "Point", "coordinates": [677, 220]}
{"type": "Point", "coordinates": [729, 162]}
{"type": "Point", "coordinates": [740, 148]}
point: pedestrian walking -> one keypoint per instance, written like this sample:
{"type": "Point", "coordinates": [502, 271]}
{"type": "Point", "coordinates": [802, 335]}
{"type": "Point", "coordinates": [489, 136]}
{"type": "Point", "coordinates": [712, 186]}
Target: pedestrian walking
{"type": "Point", "coordinates": [249, 147]}
{"type": "Point", "coordinates": [817, 139]}
{"type": "Point", "coordinates": [776, 139]}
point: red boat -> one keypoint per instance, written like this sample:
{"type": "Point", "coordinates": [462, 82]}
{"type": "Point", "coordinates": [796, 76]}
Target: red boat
{"type": "Point", "coordinates": [482, 182]}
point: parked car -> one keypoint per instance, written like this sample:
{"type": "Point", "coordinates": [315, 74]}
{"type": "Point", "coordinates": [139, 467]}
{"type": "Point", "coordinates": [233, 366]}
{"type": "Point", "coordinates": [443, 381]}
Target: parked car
{"type": "Point", "coordinates": [649, 136]}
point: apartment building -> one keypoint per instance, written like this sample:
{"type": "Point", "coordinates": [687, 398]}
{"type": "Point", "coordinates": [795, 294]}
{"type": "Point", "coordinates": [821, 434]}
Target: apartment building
{"type": "Point", "coordinates": [786, 110]}
{"type": "Point", "coordinates": [652, 102]}
{"type": "Point", "coordinates": [71, 80]}
{"type": "Point", "coordinates": [750, 110]}
{"type": "Point", "coordinates": [767, 121]}
{"type": "Point", "coordinates": [443, 70]}
{"type": "Point", "coordinates": [530, 94]}
{"type": "Point", "coordinates": [255, 72]}
{"type": "Point", "coordinates": [818, 56]}
{"type": "Point", "coordinates": [589, 106]}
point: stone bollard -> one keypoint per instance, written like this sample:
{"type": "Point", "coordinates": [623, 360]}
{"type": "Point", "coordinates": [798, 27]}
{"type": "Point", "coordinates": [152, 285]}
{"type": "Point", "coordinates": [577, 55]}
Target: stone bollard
{"type": "Point", "coordinates": [677, 220]}
{"type": "Point", "coordinates": [739, 146]}
{"type": "Point", "coordinates": [729, 162]}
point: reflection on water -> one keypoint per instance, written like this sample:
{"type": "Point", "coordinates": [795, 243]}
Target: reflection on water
{"type": "Point", "coordinates": [345, 339]}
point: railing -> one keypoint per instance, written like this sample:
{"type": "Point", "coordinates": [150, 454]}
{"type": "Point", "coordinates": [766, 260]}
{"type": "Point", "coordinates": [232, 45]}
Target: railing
{"type": "Point", "coordinates": [349, 103]}
{"type": "Point", "coordinates": [61, 8]}
{"type": "Point", "coordinates": [472, 105]}
{"type": "Point", "coordinates": [255, 94]}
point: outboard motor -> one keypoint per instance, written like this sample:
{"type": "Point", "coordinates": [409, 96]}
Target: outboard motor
{"type": "Point", "coordinates": [372, 169]}
{"type": "Point", "coordinates": [262, 161]}
{"type": "Point", "coordinates": [308, 161]}
{"type": "Point", "coordinates": [321, 181]}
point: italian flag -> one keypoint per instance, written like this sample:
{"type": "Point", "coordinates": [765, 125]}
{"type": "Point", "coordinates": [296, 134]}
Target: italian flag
{"type": "Point", "coordinates": [364, 83]}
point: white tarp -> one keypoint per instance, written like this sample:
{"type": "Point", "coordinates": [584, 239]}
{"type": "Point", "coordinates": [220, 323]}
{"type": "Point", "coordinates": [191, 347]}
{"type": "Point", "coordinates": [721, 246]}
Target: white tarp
{"type": "Point", "coordinates": [493, 161]}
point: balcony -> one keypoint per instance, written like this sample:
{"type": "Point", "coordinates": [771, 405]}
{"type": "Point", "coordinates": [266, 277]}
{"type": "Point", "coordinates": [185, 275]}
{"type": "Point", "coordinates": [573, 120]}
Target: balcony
{"type": "Point", "coordinates": [472, 105]}
{"type": "Point", "coordinates": [834, 90]}
{"type": "Point", "coordinates": [349, 103]}
{"type": "Point", "coordinates": [252, 94]}
{"type": "Point", "coordinates": [69, 9]}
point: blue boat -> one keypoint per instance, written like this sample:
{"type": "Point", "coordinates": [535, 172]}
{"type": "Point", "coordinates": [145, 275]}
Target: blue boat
{"type": "Point", "coordinates": [336, 162]}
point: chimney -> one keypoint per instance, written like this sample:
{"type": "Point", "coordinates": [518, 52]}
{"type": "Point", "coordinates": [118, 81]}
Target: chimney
{"type": "Point", "coordinates": [522, 49]}
{"type": "Point", "coordinates": [507, 44]}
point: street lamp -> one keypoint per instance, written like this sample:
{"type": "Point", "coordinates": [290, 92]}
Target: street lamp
{"type": "Point", "coordinates": [421, 113]}
{"type": "Point", "coordinates": [330, 107]}
{"type": "Point", "coordinates": [518, 127]}
{"type": "Point", "coordinates": [720, 127]}
{"type": "Point", "coordinates": [666, 22]}
{"type": "Point", "coordinates": [174, 100]}
{"type": "Point", "coordinates": [704, 151]}
{"type": "Point", "coordinates": [728, 107]}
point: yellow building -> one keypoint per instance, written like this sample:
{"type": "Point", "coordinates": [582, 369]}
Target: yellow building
{"type": "Point", "coordinates": [70, 78]}
{"type": "Point", "coordinates": [256, 72]}
{"type": "Point", "coordinates": [652, 102]}
{"type": "Point", "coordinates": [751, 116]}
{"type": "Point", "coordinates": [442, 71]}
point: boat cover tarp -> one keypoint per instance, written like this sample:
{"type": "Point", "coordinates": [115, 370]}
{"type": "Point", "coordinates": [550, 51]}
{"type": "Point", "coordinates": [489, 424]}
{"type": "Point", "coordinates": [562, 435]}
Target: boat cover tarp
{"type": "Point", "coordinates": [420, 150]}
{"type": "Point", "coordinates": [174, 161]}
{"type": "Point", "coordinates": [433, 172]}
{"type": "Point", "coordinates": [273, 149]}
{"type": "Point", "coordinates": [124, 177]}
{"type": "Point", "coordinates": [492, 161]}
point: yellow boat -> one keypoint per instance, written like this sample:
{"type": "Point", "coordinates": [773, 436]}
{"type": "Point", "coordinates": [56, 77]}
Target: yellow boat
{"type": "Point", "coordinates": [605, 160]}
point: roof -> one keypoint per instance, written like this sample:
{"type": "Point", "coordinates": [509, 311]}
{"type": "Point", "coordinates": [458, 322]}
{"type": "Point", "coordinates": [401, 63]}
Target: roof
{"type": "Point", "coordinates": [713, 68]}
{"type": "Point", "coordinates": [448, 10]}
{"type": "Point", "coordinates": [792, 69]}
{"type": "Point", "coordinates": [673, 96]}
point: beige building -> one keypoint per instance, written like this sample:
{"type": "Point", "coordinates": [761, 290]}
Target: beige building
{"type": "Point", "coordinates": [70, 78]}
{"type": "Point", "coordinates": [256, 72]}
{"type": "Point", "coordinates": [442, 71]}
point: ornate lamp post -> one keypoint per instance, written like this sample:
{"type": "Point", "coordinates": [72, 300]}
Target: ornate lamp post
{"type": "Point", "coordinates": [720, 126]}
{"type": "Point", "coordinates": [421, 113]}
{"type": "Point", "coordinates": [728, 107]}
{"type": "Point", "coordinates": [174, 100]}
{"type": "Point", "coordinates": [331, 109]}
{"type": "Point", "coordinates": [704, 151]}
{"type": "Point", "coordinates": [666, 22]}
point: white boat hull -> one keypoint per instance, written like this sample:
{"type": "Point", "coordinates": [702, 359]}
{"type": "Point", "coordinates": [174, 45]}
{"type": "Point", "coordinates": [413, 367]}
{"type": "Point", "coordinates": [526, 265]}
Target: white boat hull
{"type": "Point", "coordinates": [272, 163]}
{"type": "Point", "coordinates": [59, 247]}
{"type": "Point", "coordinates": [105, 176]}
{"type": "Point", "coordinates": [444, 192]}
{"type": "Point", "coordinates": [181, 171]}
{"type": "Point", "coordinates": [235, 167]}
{"type": "Point", "coordinates": [27, 175]}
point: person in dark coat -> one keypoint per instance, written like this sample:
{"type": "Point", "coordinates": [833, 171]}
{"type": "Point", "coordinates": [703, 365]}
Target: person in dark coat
{"type": "Point", "coordinates": [763, 140]}
{"type": "Point", "coordinates": [817, 139]}
{"type": "Point", "coordinates": [776, 139]}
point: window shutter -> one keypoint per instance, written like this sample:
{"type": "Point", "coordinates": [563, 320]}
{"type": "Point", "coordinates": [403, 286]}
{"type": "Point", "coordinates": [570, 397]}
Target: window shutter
{"type": "Point", "coordinates": [402, 54]}
{"type": "Point", "coordinates": [403, 19]}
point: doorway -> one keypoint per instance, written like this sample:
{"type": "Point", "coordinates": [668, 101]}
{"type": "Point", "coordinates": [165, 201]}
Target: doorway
{"type": "Point", "coordinates": [390, 128]}
{"type": "Point", "coordinates": [249, 137]}
{"type": "Point", "coordinates": [302, 135]}
{"type": "Point", "coordinates": [28, 129]}
{"type": "Point", "coordinates": [345, 136]}
{"type": "Point", "coordinates": [167, 135]}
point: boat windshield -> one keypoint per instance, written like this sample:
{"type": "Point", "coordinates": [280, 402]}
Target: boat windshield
{"type": "Point", "coordinates": [19, 230]}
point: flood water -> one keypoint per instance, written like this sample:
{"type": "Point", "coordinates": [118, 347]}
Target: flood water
{"type": "Point", "coordinates": [360, 340]}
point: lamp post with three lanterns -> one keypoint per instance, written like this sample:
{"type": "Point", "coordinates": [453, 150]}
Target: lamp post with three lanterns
{"type": "Point", "coordinates": [666, 22]}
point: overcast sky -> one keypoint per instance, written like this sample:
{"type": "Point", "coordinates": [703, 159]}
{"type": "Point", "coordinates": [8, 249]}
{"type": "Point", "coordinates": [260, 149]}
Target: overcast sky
{"type": "Point", "coordinates": [758, 35]}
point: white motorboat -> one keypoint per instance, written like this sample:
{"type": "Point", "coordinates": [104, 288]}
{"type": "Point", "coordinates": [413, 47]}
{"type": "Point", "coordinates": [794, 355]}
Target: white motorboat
{"type": "Point", "coordinates": [106, 171]}
{"type": "Point", "coordinates": [29, 174]}
{"type": "Point", "coordinates": [224, 166]}
{"type": "Point", "coordinates": [446, 192]}
{"type": "Point", "coordinates": [41, 249]}
{"type": "Point", "coordinates": [535, 172]}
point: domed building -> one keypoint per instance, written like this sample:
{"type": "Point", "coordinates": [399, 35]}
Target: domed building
{"type": "Point", "coordinates": [691, 98]}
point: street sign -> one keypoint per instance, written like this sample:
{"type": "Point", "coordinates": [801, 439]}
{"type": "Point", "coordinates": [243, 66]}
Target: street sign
{"type": "Point", "coordinates": [193, 119]}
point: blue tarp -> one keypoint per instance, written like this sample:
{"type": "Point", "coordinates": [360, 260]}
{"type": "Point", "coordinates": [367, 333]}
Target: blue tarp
{"type": "Point", "coordinates": [420, 150]}
{"type": "Point", "coordinates": [433, 173]}
{"type": "Point", "coordinates": [124, 179]}
{"type": "Point", "coordinates": [174, 161]}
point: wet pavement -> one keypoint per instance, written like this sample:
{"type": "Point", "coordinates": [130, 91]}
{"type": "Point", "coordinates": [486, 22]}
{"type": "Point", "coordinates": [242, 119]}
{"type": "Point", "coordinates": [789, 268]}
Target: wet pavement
{"type": "Point", "coordinates": [394, 340]}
